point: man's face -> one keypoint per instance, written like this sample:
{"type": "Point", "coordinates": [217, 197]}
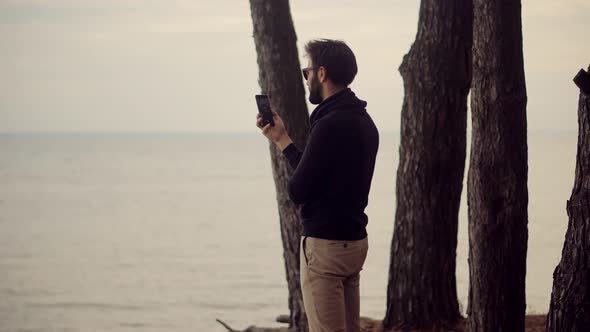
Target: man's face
{"type": "Point", "coordinates": [314, 85]}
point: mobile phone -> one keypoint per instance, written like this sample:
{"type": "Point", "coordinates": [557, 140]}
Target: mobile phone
{"type": "Point", "coordinates": [264, 109]}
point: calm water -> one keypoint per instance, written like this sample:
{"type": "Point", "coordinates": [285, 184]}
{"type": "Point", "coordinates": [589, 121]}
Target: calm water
{"type": "Point", "coordinates": [168, 232]}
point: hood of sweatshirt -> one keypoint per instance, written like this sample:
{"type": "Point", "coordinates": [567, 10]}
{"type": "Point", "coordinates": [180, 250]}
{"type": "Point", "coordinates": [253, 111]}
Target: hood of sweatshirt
{"type": "Point", "coordinates": [343, 100]}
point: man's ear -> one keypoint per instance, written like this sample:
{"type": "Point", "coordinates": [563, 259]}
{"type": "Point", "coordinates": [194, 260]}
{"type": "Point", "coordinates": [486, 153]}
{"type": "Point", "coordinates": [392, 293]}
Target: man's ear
{"type": "Point", "coordinates": [321, 74]}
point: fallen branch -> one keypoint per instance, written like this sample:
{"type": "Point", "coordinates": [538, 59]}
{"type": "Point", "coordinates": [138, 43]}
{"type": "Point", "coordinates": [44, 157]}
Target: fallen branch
{"type": "Point", "coordinates": [255, 329]}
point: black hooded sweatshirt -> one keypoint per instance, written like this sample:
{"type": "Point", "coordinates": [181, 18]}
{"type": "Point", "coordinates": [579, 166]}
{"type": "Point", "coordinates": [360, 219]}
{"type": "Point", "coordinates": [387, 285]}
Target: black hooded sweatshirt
{"type": "Point", "coordinates": [332, 176]}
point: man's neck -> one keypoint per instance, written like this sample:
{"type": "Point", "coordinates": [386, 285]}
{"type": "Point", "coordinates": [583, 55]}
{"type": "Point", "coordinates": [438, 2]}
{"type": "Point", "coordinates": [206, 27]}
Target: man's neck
{"type": "Point", "coordinates": [331, 90]}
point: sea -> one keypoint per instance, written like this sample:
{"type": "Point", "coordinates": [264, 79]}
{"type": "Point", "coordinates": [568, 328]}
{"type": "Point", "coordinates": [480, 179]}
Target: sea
{"type": "Point", "coordinates": [171, 231]}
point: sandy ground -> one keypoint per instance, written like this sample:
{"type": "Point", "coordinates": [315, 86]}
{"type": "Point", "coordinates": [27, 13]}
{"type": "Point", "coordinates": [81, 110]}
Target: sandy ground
{"type": "Point", "coordinates": [533, 323]}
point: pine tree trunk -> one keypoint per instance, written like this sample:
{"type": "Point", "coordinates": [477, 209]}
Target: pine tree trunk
{"type": "Point", "coordinates": [421, 289]}
{"type": "Point", "coordinates": [497, 180]}
{"type": "Point", "coordinates": [280, 78]}
{"type": "Point", "coordinates": [570, 298]}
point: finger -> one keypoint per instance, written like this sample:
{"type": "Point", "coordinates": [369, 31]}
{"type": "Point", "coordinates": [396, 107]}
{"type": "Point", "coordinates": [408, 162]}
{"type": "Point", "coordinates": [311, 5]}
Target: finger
{"type": "Point", "coordinates": [266, 128]}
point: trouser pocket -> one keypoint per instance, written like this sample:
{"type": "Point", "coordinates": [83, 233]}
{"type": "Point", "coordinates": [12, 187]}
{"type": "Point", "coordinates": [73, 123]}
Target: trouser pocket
{"type": "Point", "coordinates": [304, 251]}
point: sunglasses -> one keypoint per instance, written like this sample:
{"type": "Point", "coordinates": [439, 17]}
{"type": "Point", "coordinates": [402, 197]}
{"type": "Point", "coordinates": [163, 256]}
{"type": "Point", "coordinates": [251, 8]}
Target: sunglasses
{"type": "Point", "coordinates": [306, 71]}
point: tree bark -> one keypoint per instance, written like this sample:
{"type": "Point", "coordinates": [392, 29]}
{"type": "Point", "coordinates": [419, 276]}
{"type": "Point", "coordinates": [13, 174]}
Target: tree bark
{"type": "Point", "coordinates": [421, 290]}
{"type": "Point", "coordinates": [280, 78]}
{"type": "Point", "coordinates": [570, 298]}
{"type": "Point", "coordinates": [497, 180]}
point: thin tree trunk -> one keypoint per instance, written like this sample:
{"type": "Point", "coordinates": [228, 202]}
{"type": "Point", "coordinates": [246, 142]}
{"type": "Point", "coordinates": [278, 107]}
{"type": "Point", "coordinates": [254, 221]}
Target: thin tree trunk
{"type": "Point", "coordinates": [422, 290]}
{"type": "Point", "coordinates": [280, 78]}
{"type": "Point", "coordinates": [570, 298]}
{"type": "Point", "coordinates": [497, 181]}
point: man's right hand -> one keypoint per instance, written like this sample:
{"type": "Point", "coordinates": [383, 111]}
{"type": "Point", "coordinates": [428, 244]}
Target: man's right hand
{"type": "Point", "coordinates": [277, 133]}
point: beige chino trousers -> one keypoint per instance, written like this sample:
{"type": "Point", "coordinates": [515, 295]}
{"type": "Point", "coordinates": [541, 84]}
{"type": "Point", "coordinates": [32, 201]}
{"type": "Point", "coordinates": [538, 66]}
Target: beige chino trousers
{"type": "Point", "coordinates": [330, 275]}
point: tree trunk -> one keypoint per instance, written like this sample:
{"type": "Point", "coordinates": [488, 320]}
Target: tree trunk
{"type": "Point", "coordinates": [497, 180]}
{"type": "Point", "coordinates": [280, 78]}
{"type": "Point", "coordinates": [421, 289]}
{"type": "Point", "coordinates": [570, 298]}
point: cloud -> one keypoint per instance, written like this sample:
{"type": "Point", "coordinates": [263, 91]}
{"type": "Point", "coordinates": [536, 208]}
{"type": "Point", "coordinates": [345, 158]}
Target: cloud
{"type": "Point", "coordinates": [77, 65]}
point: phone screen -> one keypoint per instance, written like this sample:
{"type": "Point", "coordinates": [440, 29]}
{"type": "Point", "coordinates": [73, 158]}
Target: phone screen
{"type": "Point", "coordinates": [264, 109]}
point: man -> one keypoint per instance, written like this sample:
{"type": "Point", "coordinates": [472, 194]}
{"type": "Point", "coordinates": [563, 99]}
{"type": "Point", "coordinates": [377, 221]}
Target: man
{"type": "Point", "coordinates": [331, 178]}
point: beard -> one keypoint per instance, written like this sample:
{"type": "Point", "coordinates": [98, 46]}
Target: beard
{"type": "Point", "coordinates": [315, 91]}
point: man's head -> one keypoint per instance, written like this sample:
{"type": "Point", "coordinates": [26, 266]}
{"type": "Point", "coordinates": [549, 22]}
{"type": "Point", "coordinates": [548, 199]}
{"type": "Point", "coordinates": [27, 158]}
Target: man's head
{"type": "Point", "coordinates": [331, 66]}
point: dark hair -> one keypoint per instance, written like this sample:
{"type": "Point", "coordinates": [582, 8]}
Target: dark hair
{"type": "Point", "coordinates": [336, 57]}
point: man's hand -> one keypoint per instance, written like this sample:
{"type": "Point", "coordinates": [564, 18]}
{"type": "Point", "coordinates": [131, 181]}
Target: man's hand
{"type": "Point", "coordinates": [277, 134]}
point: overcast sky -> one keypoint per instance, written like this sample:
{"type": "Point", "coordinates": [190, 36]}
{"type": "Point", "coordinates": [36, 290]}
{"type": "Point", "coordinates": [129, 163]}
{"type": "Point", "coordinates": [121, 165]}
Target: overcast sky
{"type": "Point", "coordinates": [133, 65]}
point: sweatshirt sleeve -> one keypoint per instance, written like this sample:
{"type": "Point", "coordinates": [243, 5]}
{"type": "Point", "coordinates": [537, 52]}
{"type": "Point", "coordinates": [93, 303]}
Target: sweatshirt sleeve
{"type": "Point", "coordinates": [311, 164]}
{"type": "Point", "coordinates": [293, 155]}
